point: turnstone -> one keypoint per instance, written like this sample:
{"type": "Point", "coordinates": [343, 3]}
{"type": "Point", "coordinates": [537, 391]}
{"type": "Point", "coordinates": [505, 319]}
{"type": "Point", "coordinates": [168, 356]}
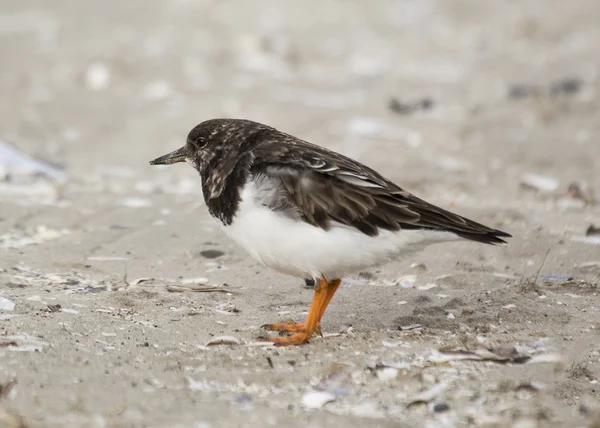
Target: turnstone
{"type": "Point", "coordinates": [307, 211]}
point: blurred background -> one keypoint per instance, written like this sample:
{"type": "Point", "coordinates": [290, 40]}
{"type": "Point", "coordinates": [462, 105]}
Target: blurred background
{"type": "Point", "coordinates": [488, 108]}
{"type": "Point", "coordinates": [441, 84]}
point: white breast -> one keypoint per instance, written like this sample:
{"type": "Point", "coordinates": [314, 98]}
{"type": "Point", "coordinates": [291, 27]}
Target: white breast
{"type": "Point", "coordinates": [294, 247]}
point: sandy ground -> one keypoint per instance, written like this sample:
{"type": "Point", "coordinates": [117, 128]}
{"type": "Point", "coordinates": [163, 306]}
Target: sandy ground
{"type": "Point", "coordinates": [501, 90]}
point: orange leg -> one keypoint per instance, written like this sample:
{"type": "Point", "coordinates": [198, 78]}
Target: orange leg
{"type": "Point", "coordinates": [330, 291]}
{"type": "Point", "coordinates": [324, 291]}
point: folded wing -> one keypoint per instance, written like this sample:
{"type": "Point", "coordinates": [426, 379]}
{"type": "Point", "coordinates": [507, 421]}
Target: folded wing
{"type": "Point", "coordinates": [324, 187]}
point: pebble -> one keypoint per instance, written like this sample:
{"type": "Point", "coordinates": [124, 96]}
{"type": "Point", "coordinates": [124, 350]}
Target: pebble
{"type": "Point", "coordinates": [6, 305]}
{"type": "Point", "coordinates": [440, 407]}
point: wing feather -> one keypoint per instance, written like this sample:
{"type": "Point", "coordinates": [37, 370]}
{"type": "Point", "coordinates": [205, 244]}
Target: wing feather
{"type": "Point", "coordinates": [324, 186]}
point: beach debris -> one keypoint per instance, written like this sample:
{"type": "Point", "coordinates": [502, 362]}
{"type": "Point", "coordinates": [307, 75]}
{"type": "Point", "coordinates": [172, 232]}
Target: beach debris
{"type": "Point", "coordinates": [552, 278]}
{"type": "Point", "coordinates": [405, 108]}
{"type": "Point", "coordinates": [54, 308]}
{"type": "Point", "coordinates": [317, 399]}
{"type": "Point", "coordinates": [410, 327]}
{"type": "Point", "coordinates": [6, 305]}
{"type": "Point", "coordinates": [430, 394]}
{"type": "Point", "coordinates": [19, 238]}
{"type": "Point", "coordinates": [582, 192]}
{"type": "Point", "coordinates": [540, 183]}
{"type": "Point", "coordinates": [198, 288]}
{"type": "Point", "coordinates": [16, 166]}
{"type": "Point", "coordinates": [223, 340]}
{"type": "Point", "coordinates": [197, 281]}
{"type": "Point", "coordinates": [532, 386]}
{"type": "Point", "coordinates": [198, 285]}
{"type": "Point", "coordinates": [138, 281]}
{"type": "Point", "coordinates": [499, 355]}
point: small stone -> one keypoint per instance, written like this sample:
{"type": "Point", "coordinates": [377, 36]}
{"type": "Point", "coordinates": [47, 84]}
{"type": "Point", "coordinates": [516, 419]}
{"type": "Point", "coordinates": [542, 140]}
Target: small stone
{"type": "Point", "coordinates": [440, 407]}
{"type": "Point", "coordinates": [211, 254]}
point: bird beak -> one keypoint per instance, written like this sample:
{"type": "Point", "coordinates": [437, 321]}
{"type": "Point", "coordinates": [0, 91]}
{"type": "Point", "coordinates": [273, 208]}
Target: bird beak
{"type": "Point", "coordinates": [178, 155]}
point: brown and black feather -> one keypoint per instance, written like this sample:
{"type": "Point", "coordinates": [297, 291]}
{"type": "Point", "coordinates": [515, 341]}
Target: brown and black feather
{"type": "Point", "coordinates": [320, 185]}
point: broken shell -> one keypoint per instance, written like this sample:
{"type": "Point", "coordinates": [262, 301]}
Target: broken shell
{"type": "Point", "coordinates": [317, 399]}
{"type": "Point", "coordinates": [540, 183]}
{"type": "Point", "coordinates": [6, 305]}
{"type": "Point", "coordinates": [223, 340]}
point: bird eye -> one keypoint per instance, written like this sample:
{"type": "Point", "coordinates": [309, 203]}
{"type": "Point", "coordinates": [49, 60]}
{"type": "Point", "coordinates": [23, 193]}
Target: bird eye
{"type": "Point", "coordinates": [200, 142]}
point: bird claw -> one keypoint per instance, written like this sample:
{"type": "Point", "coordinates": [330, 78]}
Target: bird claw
{"type": "Point", "coordinates": [290, 328]}
{"type": "Point", "coordinates": [294, 339]}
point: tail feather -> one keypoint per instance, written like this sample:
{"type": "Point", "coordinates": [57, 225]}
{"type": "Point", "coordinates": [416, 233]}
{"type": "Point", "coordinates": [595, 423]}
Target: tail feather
{"type": "Point", "coordinates": [493, 238]}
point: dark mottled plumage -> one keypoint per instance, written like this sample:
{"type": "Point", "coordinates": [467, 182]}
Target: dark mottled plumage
{"type": "Point", "coordinates": [306, 211]}
{"type": "Point", "coordinates": [321, 185]}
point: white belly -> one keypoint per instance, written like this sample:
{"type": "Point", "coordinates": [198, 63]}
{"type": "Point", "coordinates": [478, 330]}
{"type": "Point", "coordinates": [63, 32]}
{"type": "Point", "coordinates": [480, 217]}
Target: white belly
{"type": "Point", "coordinates": [297, 248]}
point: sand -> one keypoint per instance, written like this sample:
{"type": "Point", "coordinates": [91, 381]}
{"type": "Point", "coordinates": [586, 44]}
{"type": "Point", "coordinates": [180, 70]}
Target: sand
{"type": "Point", "coordinates": [114, 280]}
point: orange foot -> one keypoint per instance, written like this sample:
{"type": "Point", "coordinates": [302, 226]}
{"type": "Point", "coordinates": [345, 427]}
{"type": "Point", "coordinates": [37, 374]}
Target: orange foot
{"type": "Point", "coordinates": [324, 291]}
{"type": "Point", "coordinates": [294, 339]}
{"type": "Point", "coordinates": [290, 328]}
